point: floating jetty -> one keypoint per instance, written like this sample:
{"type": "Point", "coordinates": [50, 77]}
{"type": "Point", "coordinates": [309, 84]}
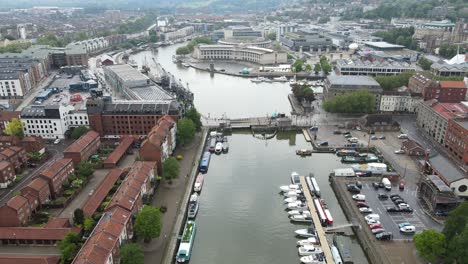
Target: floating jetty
{"type": "Point", "coordinates": [318, 224]}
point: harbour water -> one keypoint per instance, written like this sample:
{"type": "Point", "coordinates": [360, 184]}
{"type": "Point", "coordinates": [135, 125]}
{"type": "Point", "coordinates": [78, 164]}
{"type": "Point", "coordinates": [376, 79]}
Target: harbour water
{"type": "Point", "coordinates": [242, 218]}
{"type": "Point", "coordinates": [219, 95]}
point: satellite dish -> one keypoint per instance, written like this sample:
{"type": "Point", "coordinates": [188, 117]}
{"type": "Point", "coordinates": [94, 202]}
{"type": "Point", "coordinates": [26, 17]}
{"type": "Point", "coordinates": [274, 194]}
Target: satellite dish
{"type": "Point", "coordinates": [353, 46]}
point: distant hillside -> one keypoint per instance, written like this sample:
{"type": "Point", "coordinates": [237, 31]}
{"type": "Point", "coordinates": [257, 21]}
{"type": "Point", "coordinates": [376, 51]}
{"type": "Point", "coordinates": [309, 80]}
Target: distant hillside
{"type": "Point", "coordinates": [212, 5]}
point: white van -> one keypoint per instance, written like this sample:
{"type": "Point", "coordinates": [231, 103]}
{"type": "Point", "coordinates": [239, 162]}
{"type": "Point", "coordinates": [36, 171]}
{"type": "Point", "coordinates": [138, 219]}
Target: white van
{"type": "Point", "coordinates": [387, 184]}
{"type": "Point", "coordinates": [403, 136]}
{"type": "Point", "coordinates": [375, 217]}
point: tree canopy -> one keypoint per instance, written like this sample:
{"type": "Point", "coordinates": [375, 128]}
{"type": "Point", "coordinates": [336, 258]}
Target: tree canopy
{"type": "Point", "coordinates": [148, 223]}
{"type": "Point", "coordinates": [78, 216]}
{"type": "Point", "coordinates": [361, 101]}
{"type": "Point", "coordinates": [78, 132]}
{"type": "Point", "coordinates": [302, 92]}
{"type": "Point", "coordinates": [271, 36]}
{"type": "Point", "coordinates": [184, 50]}
{"type": "Point", "coordinates": [84, 169]}
{"type": "Point", "coordinates": [449, 51]}
{"type": "Point", "coordinates": [185, 131]}
{"type": "Point", "coordinates": [430, 244]}
{"type": "Point", "coordinates": [325, 65]}
{"type": "Point", "coordinates": [69, 246]}
{"type": "Point", "coordinates": [317, 68]}
{"type": "Point", "coordinates": [425, 63]}
{"type": "Point", "coordinates": [15, 47]}
{"type": "Point", "coordinates": [131, 254]}
{"type": "Point", "coordinates": [187, 49]}
{"type": "Point", "coordinates": [195, 116]}
{"type": "Point", "coordinates": [391, 82]}
{"type": "Point", "coordinates": [52, 40]}
{"type": "Point", "coordinates": [14, 128]}
{"type": "Point", "coordinates": [298, 65]}
{"type": "Point", "coordinates": [171, 168]}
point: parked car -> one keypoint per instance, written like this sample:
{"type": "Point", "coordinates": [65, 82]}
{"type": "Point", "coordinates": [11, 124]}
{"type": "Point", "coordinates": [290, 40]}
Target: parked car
{"type": "Point", "coordinates": [372, 132]}
{"type": "Point", "coordinates": [323, 143]}
{"type": "Point", "coordinates": [337, 132]}
{"type": "Point", "coordinates": [399, 151]}
{"type": "Point", "coordinates": [361, 204]}
{"type": "Point", "coordinates": [441, 213]}
{"type": "Point", "coordinates": [403, 205]}
{"type": "Point", "coordinates": [353, 140]}
{"type": "Point", "coordinates": [376, 185]}
{"type": "Point", "coordinates": [382, 196]}
{"type": "Point", "coordinates": [374, 138]}
{"type": "Point", "coordinates": [408, 229]}
{"type": "Point", "coordinates": [394, 197]}
{"type": "Point", "coordinates": [393, 209]}
{"type": "Point", "coordinates": [384, 236]}
{"type": "Point", "coordinates": [399, 201]}
{"type": "Point", "coordinates": [359, 197]}
{"type": "Point", "coordinates": [403, 224]}
{"type": "Point", "coordinates": [57, 141]}
{"type": "Point", "coordinates": [382, 137]}
{"type": "Point", "coordinates": [353, 188]}
{"type": "Point", "coordinates": [402, 185]}
{"type": "Point", "coordinates": [381, 185]}
{"type": "Point", "coordinates": [365, 210]}
{"type": "Point", "coordinates": [346, 133]}
{"type": "Point", "coordinates": [374, 226]}
{"type": "Point", "coordinates": [358, 184]}
{"type": "Point", "coordinates": [375, 217]}
{"type": "Point", "coordinates": [403, 136]}
{"type": "Point", "coordinates": [406, 210]}
{"type": "Point", "coordinates": [373, 221]}
{"type": "Point", "coordinates": [378, 231]}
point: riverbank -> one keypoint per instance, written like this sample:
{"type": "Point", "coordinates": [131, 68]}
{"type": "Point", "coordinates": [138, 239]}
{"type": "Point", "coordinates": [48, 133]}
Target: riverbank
{"type": "Point", "coordinates": [174, 196]}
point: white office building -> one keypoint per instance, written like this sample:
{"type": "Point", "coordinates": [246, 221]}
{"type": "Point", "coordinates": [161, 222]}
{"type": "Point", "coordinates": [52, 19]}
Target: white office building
{"type": "Point", "coordinates": [239, 53]}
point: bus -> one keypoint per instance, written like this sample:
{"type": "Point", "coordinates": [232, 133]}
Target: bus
{"type": "Point", "coordinates": [205, 162]}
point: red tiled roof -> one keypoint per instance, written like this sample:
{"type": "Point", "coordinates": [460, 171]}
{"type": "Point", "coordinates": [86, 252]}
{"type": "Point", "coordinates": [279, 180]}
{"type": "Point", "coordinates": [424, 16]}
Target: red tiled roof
{"type": "Point", "coordinates": [8, 152]}
{"type": "Point", "coordinates": [452, 84]}
{"type": "Point", "coordinates": [31, 139]}
{"type": "Point", "coordinates": [55, 168]}
{"type": "Point", "coordinates": [37, 184]}
{"type": "Point", "coordinates": [8, 138]}
{"type": "Point", "coordinates": [101, 192]}
{"type": "Point", "coordinates": [58, 223]}
{"type": "Point", "coordinates": [36, 233]}
{"type": "Point", "coordinates": [16, 149]}
{"type": "Point", "coordinates": [80, 144]}
{"type": "Point", "coordinates": [23, 259]}
{"type": "Point", "coordinates": [119, 151]}
{"type": "Point", "coordinates": [4, 164]}
{"type": "Point", "coordinates": [8, 115]}
{"type": "Point", "coordinates": [447, 110]}
{"type": "Point", "coordinates": [17, 202]}
{"type": "Point", "coordinates": [31, 198]}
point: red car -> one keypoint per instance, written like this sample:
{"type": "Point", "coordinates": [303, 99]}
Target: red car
{"type": "Point", "coordinates": [402, 185]}
{"type": "Point", "coordinates": [374, 226]}
{"type": "Point", "coordinates": [361, 204]}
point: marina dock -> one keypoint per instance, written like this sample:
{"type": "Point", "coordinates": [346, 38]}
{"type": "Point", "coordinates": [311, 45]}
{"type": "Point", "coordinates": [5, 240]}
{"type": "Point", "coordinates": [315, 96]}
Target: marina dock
{"type": "Point", "coordinates": [306, 135]}
{"type": "Point", "coordinates": [318, 225]}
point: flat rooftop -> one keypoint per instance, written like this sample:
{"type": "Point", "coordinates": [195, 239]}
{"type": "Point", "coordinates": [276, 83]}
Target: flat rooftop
{"type": "Point", "coordinates": [354, 80]}
{"type": "Point", "coordinates": [383, 45]}
{"type": "Point", "coordinates": [127, 72]}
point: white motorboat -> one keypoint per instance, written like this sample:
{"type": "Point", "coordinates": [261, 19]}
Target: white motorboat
{"type": "Point", "coordinates": [297, 205]}
{"type": "Point", "coordinates": [256, 80]}
{"type": "Point", "coordinates": [291, 199]}
{"type": "Point", "coordinates": [298, 212]}
{"type": "Point", "coordinates": [264, 79]}
{"type": "Point", "coordinates": [290, 187]}
{"type": "Point", "coordinates": [295, 178]}
{"type": "Point", "coordinates": [307, 232]}
{"type": "Point", "coordinates": [309, 241]}
{"type": "Point", "coordinates": [292, 193]}
{"type": "Point", "coordinates": [193, 206]}
{"type": "Point", "coordinates": [185, 64]}
{"type": "Point", "coordinates": [280, 79]}
{"type": "Point", "coordinates": [313, 259]}
{"type": "Point", "coordinates": [225, 147]}
{"type": "Point", "coordinates": [308, 250]}
{"type": "Point", "coordinates": [304, 218]}
{"type": "Point", "coordinates": [198, 183]}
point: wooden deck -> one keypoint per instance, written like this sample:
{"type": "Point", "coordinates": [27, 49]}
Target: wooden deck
{"type": "Point", "coordinates": [318, 226]}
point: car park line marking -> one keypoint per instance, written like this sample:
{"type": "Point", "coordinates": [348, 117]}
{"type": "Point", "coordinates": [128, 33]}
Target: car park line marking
{"type": "Point", "coordinates": [378, 209]}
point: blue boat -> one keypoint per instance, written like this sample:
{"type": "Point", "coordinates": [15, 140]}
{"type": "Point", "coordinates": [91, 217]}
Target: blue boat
{"type": "Point", "coordinates": [205, 162]}
{"type": "Point", "coordinates": [185, 247]}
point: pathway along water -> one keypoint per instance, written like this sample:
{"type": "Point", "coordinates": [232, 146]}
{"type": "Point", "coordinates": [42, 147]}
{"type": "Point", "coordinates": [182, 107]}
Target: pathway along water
{"type": "Point", "coordinates": [242, 218]}
{"type": "Point", "coordinates": [219, 94]}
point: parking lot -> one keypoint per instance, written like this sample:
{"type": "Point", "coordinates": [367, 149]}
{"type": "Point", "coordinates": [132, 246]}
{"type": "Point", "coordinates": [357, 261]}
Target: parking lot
{"type": "Point", "coordinates": [325, 133]}
{"type": "Point", "coordinates": [390, 221]}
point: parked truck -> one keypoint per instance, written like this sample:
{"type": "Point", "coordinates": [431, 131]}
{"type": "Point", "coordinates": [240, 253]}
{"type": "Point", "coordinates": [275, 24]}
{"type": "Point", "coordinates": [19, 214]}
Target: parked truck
{"type": "Point", "coordinates": [387, 184]}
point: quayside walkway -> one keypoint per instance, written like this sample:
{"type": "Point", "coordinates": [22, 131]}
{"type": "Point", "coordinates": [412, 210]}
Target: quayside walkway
{"type": "Point", "coordinates": [318, 225]}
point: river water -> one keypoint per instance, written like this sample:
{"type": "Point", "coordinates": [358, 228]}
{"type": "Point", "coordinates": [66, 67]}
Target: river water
{"type": "Point", "coordinates": [220, 95]}
{"type": "Point", "coordinates": [242, 218]}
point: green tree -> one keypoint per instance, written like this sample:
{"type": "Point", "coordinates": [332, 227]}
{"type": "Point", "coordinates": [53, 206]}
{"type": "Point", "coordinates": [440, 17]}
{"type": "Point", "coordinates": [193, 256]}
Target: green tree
{"type": "Point", "coordinates": [324, 20]}
{"type": "Point", "coordinates": [88, 224]}
{"type": "Point", "coordinates": [456, 222]}
{"type": "Point", "coordinates": [430, 244]}
{"type": "Point", "coordinates": [195, 116]}
{"type": "Point", "coordinates": [290, 57]}
{"type": "Point", "coordinates": [14, 128]}
{"type": "Point", "coordinates": [148, 223]}
{"type": "Point", "coordinates": [171, 168]}
{"type": "Point", "coordinates": [131, 254]}
{"type": "Point", "coordinates": [302, 92]}
{"type": "Point", "coordinates": [298, 64]}
{"type": "Point", "coordinates": [457, 252]}
{"type": "Point", "coordinates": [78, 132]}
{"type": "Point", "coordinates": [308, 68]}
{"type": "Point", "coordinates": [394, 81]}
{"type": "Point", "coordinates": [317, 68]}
{"type": "Point", "coordinates": [325, 65]}
{"type": "Point", "coordinates": [184, 50]}
{"type": "Point", "coordinates": [34, 156]}
{"type": "Point", "coordinates": [271, 36]}
{"type": "Point", "coordinates": [78, 216]}
{"type": "Point", "coordinates": [361, 101]}
{"type": "Point", "coordinates": [185, 131]}
{"type": "Point", "coordinates": [69, 246]}
{"type": "Point", "coordinates": [52, 40]}
{"type": "Point", "coordinates": [425, 63]}
{"type": "Point", "coordinates": [84, 169]}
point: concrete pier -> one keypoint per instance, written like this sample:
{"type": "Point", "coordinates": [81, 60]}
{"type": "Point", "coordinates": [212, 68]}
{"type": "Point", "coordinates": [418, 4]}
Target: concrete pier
{"type": "Point", "coordinates": [318, 225]}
